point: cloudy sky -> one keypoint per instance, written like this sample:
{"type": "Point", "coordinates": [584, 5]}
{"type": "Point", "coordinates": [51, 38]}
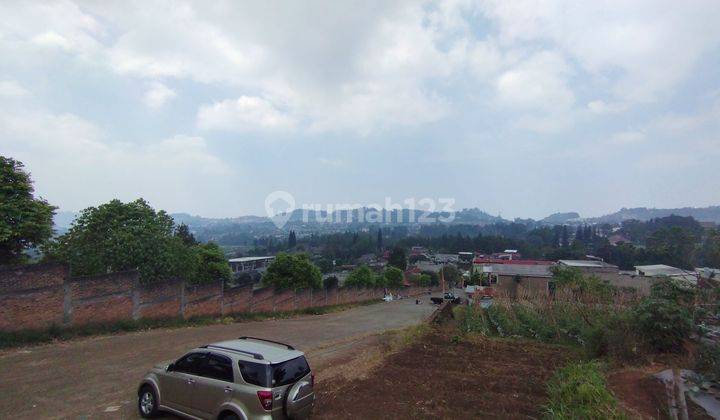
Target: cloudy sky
{"type": "Point", "coordinates": [521, 108]}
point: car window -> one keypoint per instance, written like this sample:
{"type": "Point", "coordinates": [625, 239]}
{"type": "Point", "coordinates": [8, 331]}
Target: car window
{"type": "Point", "coordinates": [217, 366]}
{"type": "Point", "coordinates": [288, 372]}
{"type": "Point", "coordinates": [255, 373]}
{"type": "Point", "coordinates": [190, 363]}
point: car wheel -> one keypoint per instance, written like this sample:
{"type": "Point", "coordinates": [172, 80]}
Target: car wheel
{"type": "Point", "coordinates": [147, 402]}
{"type": "Point", "coordinates": [231, 416]}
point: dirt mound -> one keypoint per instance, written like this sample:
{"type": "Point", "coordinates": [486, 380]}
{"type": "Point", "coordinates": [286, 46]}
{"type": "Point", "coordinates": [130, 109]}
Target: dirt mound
{"type": "Point", "coordinates": [437, 377]}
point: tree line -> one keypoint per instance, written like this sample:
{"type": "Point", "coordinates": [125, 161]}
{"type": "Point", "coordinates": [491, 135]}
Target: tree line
{"type": "Point", "coordinates": [112, 237]}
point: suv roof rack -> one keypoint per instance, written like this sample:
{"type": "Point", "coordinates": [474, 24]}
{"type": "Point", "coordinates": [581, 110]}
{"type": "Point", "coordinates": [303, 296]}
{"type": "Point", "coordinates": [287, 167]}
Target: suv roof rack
{"type": "Point", "coordinates": [289, 347]}
{"type": "Point", "coordinates": [254, 355]}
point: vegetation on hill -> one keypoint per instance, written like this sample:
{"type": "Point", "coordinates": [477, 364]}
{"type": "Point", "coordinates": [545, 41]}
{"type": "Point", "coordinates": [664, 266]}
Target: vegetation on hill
{"type": "Point", "coordinates": [25, 220]}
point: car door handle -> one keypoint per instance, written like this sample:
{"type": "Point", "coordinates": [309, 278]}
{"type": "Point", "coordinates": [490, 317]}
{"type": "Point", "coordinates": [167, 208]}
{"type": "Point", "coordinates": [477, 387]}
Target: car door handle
{"type": "Point", "coordinates": [191, 381]}
{"type": "Point", "coordinates": [228, 390]}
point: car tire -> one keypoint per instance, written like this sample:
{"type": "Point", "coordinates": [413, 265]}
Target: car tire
{"type": "Point", "coordinates": [147, 402]}
{"type": "Point", "coordinates": [231, 416]}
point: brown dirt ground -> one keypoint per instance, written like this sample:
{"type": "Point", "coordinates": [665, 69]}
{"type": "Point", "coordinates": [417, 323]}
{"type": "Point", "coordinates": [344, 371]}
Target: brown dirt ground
{"type": "Point", "coordinates": [643, 396]}
{"type": "Point", "coordinates": [434, 378]}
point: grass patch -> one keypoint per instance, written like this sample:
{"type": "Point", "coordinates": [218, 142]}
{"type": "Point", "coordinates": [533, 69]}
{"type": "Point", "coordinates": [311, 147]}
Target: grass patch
{"type": "Point", "coordinates": [56, 332]}
{"type": "Point", "coordinates": [579, 391]}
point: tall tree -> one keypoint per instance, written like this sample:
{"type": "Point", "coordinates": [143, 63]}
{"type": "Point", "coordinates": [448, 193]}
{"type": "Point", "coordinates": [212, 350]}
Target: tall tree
{"type": "Point", "coordinates": [564, 241]}
{"type": "Point", "coordinates": [380, 239]}
{"type": "Point", "coordinates": [292, 240]}
{"type": "Point", "coordinates": [580, 234]}
{"type": "Point", "coordinates": [25, 221]}
{"type": "Point", "coordinates": [398, 258]}
{"type": "Point", "coordinates": [183, 232]}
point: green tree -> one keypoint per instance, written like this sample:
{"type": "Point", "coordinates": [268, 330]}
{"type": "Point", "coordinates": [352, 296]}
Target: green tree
{"type": "Point", "coordinates": [451, 274]}
{"type": "Point", "coordinates": [710, 252]}
{"type": "Point", "coordinates": [393, 277]}
{"type": "Point", "coordinates": [292, 240]}
{"type": "Point", "coordinates": [362, 276]}
{"type": "Point", "coordinates": [398, 258]}
{"type": "Point", "coordinates": [119, 236]}
{"type": "Point", "coordinates": [25, 221]}
{"type": "Point", "coordinates": [183, 232]}
{"type": "Point", "coordinates": [673, 246]}
{"type": "Point", "coordinates": [292, 271]}
{"type": "Point", "coordinates": [380, 240]}
{"type": "Point", "coordinates": [212, 265]}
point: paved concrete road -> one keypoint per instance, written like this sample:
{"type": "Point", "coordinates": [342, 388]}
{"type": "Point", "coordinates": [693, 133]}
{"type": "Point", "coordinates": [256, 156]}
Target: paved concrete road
{"type": "Point", "coordinates": [96, 377]}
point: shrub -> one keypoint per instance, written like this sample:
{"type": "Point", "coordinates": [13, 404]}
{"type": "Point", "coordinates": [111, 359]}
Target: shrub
{"type": "Point", "coordinates": [708, 361]}
{"type": "Point", "coordinates": [579, 391]}
{"type": "Point", "coordinates": [664, 324]}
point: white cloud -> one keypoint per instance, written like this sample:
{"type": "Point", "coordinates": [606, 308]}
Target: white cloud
{"type": "Point", "coordinates": [645, 47]}
{"type": "Point", "coordinates": [74, 164]}
{"type": "Point", "coordinates": [12, 89]}
{"type": "Point", "coordinates": [600, 107]}
{"type": "Point", "coordinates": [158, 95]}
{"type": "Point", "coordinates": [246, 113]}
{"type": "Point", "coordinates": [537, 82]}
{"type": "Point", "coordinates": [628, 137]}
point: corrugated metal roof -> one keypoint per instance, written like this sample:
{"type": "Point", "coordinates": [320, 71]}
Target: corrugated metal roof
{"type": "Point", "coordinates": [586, 263]}
{"type": "Point", "coordinates": [538, 270]}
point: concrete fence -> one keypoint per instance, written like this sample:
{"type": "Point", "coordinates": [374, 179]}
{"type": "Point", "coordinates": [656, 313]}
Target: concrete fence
{"type": "Point", "coordinates": [39, 296]}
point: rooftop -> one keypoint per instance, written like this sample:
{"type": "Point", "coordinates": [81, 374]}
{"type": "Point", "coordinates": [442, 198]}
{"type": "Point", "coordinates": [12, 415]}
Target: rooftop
{"type": "Point", "coordinates": [271, 352]}
{"type": "Point", "coordinates": [662, 270]}
{"type": "Point", "coordinates": [586, 263]}
{"type": "Point", "coordinates": [249, 259]}
{"type": "Point", "coordinates": [536, 270]}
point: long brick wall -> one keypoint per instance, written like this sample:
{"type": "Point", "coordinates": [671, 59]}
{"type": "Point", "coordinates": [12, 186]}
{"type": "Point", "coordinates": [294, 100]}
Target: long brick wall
{"type": "Point", "coordinates": [43, 295]}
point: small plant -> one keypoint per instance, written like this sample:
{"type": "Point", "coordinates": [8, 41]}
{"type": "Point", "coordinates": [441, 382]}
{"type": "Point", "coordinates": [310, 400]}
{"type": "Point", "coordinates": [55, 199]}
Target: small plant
{"type": "Point", "coordinates": [579, 391]}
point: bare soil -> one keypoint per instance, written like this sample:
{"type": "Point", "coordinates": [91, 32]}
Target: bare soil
{"type": "Point", "coordinates": [97, 377]}
{"type": "Point", "coordinates": [643, 396]}
{"type": "Point", "coordinates": [437, 378]}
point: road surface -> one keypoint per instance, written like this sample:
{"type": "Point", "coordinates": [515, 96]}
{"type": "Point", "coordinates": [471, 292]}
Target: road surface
{"type": "Point", "coordinates": [97, 377]}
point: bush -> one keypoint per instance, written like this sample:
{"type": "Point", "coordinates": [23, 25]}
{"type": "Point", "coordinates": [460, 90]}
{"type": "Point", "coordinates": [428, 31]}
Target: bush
{"type": "Point", "coordinates": [708, 361]}
{"type": "Point", "coordinates": [664, 324]}
{"type": "Point", "coordinates": [579, 391]}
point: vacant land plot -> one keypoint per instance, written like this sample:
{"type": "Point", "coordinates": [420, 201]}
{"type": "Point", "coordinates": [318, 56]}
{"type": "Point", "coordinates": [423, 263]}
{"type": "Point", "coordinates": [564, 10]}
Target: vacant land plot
{"type": "Point", "coordinates": [436, 377]}
{"type": "Point", "coordinates": [96, 377]}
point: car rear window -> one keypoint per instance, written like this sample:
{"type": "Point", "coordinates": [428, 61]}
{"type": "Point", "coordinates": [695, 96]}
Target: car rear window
{"type": "Point", "coordinates": [278, 374]}
{"type": "Point", "coordinates": [288, 372]}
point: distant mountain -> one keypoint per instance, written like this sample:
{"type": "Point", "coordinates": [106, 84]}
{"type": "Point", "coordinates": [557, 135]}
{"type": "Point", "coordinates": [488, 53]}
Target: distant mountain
{"type": "Point", "coordinates": [701, 214]}
{"type": "Point", "coordinates": [561, 218]}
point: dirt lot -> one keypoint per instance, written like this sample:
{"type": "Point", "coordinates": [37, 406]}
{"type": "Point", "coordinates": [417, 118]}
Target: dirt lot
{"type": "Point", "coordinates": [96, 378]}
{"type": "Point", "coordinates": [435, 378]}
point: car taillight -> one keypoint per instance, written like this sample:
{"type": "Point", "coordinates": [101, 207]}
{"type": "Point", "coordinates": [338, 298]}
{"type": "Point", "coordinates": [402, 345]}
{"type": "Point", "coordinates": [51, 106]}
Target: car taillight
{"type": "Point", "coordinates": [312, 379]}
{"type": "Point", "coordinates": [266, 399]}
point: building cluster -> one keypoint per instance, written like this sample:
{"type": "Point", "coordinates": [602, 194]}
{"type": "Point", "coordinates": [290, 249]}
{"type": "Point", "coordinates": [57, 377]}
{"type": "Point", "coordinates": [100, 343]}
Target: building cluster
{"type": "Point", "coordinates": [513, 276]}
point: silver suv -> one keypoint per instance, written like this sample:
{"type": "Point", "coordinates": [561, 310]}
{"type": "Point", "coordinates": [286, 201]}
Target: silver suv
{"type": "Point", "coordinates": [247, 378]}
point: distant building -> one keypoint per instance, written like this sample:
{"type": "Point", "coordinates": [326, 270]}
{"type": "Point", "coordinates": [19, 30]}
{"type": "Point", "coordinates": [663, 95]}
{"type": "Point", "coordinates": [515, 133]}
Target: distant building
{"type": "Point", "coordinates": [662, 270]}
{"type": "Point", "coordinates": [517, 278]}
{"type": "Point", "coordinates": [599, 268]}
{"type": "Point", "coordinates": [249, 264]}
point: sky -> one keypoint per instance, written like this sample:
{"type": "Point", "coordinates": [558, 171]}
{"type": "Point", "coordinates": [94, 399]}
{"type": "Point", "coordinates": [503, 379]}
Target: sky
{"type": "Point", "coordinates": [520, 108]}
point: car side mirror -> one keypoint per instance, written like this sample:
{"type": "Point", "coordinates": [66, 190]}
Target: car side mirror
{"type": "Point", "coordinates": [170, 367]}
